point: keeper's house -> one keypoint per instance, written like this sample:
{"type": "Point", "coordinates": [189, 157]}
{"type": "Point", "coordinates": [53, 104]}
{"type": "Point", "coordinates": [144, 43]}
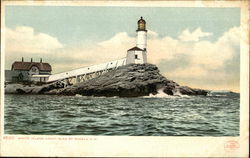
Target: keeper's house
{"type": "Point", "coordinates": [28, 71]}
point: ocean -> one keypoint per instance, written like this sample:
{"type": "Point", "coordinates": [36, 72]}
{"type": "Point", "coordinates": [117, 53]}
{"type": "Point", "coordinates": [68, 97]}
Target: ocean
{"type": "Point", "coordinates": [214, 115]}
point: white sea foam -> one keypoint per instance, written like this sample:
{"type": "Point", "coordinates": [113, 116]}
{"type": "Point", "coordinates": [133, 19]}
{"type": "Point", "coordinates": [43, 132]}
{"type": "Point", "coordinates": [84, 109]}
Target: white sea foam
{"type": "Point", "coordinates": [220, 95]}
{"type": "Point", "coordinates": [216, 95]}
{"type": "Point", "coordinates": [78, 95]}
{"type": "Point", "coordinates": [161, 94]}
{"type": "Point", "coordinates": [178, 93]}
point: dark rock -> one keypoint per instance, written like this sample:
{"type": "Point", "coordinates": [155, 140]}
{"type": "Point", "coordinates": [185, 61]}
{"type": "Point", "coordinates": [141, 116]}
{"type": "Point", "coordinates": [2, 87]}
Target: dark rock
{"type": "Point", "coordinates": [20, 89]}
{"type": "Point", "coordinates": [201, 92]}
{"type": "Point", "coordinates": [168, 91]}
{"type": "Point", "coordinates": [127, 81]}
{"type": "Point", "coordinates": [32, 89]}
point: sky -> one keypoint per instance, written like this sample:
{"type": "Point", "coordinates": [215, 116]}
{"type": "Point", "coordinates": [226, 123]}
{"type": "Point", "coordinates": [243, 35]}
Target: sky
{"type": "Point", "coordinates": [196, 47]}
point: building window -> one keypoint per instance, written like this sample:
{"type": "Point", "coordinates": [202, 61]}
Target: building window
{"type": "Point", "coordinates": [136, 56]}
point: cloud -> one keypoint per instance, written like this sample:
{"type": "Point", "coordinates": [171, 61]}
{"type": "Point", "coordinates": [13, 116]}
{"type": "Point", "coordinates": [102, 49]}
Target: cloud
{"type": "Point", "coordinates": [215, 54]}
{"type": "Point", "coordinates": [111, 49]}
{"type": "Point", "coordinates": [23, 39]}
{"type": "Point", "coordinates": [152, 34]}
{"type": "Point", "coordinates": [118, 40]}
{"type": "Point", "coordinates": [200, 63]}
{"type": "Point", "coordinates": [195, 36]}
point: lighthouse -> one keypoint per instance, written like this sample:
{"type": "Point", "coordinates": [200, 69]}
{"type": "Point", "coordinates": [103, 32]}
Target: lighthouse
{"type": "Point", "coordinates": [135, 55]}
{"type": "Point", "coordinates": [141, 40]}
{"type": "Point", "coordinates": [138, 54]}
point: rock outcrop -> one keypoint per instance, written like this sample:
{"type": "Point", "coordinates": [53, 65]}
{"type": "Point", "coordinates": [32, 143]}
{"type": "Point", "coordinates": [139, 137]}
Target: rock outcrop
{"type": "Point", "coordinates": [127, 81]}
{"type": "Point", "coordinates": [18, 88]}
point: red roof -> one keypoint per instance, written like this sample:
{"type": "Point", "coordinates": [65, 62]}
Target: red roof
{"type": "Point", "coordinates": [19, 65]}
{"type": "Point", "coordinates": [136, 48]}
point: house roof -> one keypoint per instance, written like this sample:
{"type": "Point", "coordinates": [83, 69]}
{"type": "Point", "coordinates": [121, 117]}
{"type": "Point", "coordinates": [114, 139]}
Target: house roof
{"type": "Point", "coordinates": [136, 48]}
{"type": "Point", "coordinates": [19, 65]}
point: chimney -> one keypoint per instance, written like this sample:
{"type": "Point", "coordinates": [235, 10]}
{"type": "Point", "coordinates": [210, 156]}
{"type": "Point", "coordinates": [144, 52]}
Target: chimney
{"type": "Point", "coordinates": [22, 59]}
{"type": "Point", "coordinates": [31, 60]}
{"type": "Point", "coordinates": [41, 60]}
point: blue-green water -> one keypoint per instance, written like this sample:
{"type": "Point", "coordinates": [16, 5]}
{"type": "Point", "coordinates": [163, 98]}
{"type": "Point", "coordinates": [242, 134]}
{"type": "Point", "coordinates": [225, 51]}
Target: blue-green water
{"type": "Point", "coordinates": [216, 115]}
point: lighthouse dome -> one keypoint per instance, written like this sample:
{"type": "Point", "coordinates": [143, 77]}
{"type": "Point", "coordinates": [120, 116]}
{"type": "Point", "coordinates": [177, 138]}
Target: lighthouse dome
{"type": "Point", "coordinates": [141, 25]}
{"type": "Point", "coordinates": [141, 21]}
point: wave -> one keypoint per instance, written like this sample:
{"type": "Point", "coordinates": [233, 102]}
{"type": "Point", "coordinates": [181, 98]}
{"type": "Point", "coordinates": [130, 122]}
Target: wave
{"type": "Point", "coordinates": [217, 95]}
{"type": "Point", "coordinates": [178, 93]}
{"type": "Point", "coordinates": [221, 93]}
{"type": "Point", "coordinates": [79, 95]}
{"type": "Point", "coordinates": [161, 94]}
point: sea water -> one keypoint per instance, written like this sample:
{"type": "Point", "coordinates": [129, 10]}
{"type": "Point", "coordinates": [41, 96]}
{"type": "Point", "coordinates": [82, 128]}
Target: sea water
{"type": "Point", "coordinates": [160, 115]}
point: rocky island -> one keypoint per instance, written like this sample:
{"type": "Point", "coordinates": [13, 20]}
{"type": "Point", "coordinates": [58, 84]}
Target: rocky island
{"type": "Point", "coordinates": [131, 80]}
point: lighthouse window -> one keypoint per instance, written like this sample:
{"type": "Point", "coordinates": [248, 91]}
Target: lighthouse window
{"type": "Point", "coordinates": [136, 56]}
{"type": "Point", "coordinates": [141, 26]}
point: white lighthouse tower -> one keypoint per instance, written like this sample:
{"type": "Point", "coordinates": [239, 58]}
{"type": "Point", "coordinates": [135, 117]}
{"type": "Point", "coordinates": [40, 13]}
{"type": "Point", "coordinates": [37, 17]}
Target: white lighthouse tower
{"type": "Point", "coordinates": [138, 54]}
{"type": "Point", "coordinates": [141, 41]}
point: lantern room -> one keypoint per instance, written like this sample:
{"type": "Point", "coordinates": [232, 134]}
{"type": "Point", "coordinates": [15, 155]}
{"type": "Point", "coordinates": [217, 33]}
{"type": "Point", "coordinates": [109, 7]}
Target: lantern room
{"type": "Point", "coordinates": [141, 25]}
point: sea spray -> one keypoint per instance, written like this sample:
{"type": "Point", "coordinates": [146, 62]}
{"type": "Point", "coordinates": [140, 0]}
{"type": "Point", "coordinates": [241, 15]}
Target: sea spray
{"type": "Point", "coordinates": [161, 94]}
